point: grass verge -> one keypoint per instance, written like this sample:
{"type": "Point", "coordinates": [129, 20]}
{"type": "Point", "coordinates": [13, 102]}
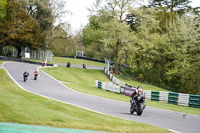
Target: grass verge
{"type": "Point", "coordinates": [73, 61]}
{"type": "Point", "coordinates": [83, 80]}
{"type": "Point", "coordinates": [19, 106]}
{"type": "Point", "coordinates": [1, 62]}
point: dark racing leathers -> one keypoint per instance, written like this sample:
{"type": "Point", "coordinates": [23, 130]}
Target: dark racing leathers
{"type": "Point", "coordinates": [135, 95]}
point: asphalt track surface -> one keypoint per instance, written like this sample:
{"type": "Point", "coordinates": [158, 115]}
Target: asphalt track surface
{"type": "Point", "coordinates": [49, 87]}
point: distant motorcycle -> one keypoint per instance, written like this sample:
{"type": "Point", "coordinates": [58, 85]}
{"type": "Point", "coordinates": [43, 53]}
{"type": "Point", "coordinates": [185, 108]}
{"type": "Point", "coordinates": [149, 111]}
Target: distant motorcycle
{"type": "Point", "coordinates": [137, 105]}
{"type": "Point", "coordinates": [35, 76]}
{"type": "Point", "coordinates": [25, 78]}
{"type": "Point", "coordinates": [25, 75]}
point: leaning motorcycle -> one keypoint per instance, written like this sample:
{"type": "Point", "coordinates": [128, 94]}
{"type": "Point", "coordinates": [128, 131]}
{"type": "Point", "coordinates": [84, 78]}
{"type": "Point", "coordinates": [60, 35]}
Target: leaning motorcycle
{"type": "Point", "coordinates": [35, 76]}
{"type": "Point", "coordinates": [25, 78]}
{"type": "Point", "coordinates": [137, 105]}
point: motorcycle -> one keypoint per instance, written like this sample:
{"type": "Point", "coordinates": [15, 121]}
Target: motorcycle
{"type": "Point", "coordinates": [25, 78]}
{"type": "Point", "coordinates": [137, 105]}
{"type": "Point", "coordinates": [35, 76]}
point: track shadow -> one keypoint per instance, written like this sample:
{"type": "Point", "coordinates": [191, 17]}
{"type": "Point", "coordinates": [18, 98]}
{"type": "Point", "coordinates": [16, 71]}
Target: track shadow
{"type": "Point", "coordinates": [127, 113]}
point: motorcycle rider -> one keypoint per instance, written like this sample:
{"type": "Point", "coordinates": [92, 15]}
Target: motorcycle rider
{"type": "Point", "coordinates": [26, 74]}
{"type": "Point", "coordinates": [138, 91]}
{"type": "Point", "coordinates": [36, 73]}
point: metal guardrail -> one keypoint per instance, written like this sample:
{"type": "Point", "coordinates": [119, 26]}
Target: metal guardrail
{"type": "Point", "coordinates": [160, 96]}
{"type": "Point", "coordinates": [85, 58]}
{"type": "Point", "coordinates": [194, 101]}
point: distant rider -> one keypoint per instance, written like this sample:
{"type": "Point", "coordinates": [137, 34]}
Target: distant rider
{"type": "Point", "coordinates": [26, 74]}
{"type": "Point", "coordinates": [36, 73]}
{"type": "Point", "coordinates": [68, 64]}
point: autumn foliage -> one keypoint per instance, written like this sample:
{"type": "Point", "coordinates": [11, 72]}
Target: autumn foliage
{"type": "Point", "coordinates": [19, 29]}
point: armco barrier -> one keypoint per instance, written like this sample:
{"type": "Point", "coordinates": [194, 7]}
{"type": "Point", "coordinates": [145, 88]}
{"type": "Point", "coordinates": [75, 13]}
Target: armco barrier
{"type": "Point", "coordinates": [163, 96]}
{"type": "Point", "coordinates": [147, 94]}
{"type": "Point", "coordinates": [116, 80]}
{"type": "Point", "coordinates": [183, 99]}
{"type": "Point", "coordinates": [173, 98]}
{"type": "Point", "coordinates": [85, 58]}
{"type": "Point", "coordinates": [194, 101]}
{"type": "Point", "coordinates": [167, 97]}
{"type": "Point", "coordinates": [126, 91]}
{"type": "Point", "coordinates": [112, 87]}
{"type": "Point", "coordinates": [99, 85]}
{"type": "Point", "coordinates": [107, 86]}
{"type": "Point", "coordinates": [155, 95]}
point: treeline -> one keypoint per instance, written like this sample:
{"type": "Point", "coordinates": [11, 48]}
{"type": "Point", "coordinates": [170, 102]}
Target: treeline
{"type": "Point", "coordinates": [161, 41]}
{"type": "Point", "coordinates": [34, 24]}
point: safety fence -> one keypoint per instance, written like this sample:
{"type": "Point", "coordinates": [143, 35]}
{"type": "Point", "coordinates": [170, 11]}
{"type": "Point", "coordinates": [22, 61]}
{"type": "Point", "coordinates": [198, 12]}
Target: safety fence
{"type": "Point", "coordinates": [113, 88]}
{"type": "Point", "coordinates": [167, 97]}
{"type": "Point", "coordinates": [26, 52]}
{"type": "Point", "coordinates": [85, 58]}
{"type": "Point", "coordinates": [116, 80]}
{"type": "Point", "coordinates": [4, 58]}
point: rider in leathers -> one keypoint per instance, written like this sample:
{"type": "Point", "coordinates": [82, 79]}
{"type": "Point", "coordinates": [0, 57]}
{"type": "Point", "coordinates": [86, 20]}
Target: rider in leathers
{"type": "Point", "coordinates": [136, 93]}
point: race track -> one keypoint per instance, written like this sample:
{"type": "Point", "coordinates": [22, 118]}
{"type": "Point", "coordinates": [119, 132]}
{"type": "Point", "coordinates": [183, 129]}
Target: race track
{"type": "Point", "coordinates": [49, 87]}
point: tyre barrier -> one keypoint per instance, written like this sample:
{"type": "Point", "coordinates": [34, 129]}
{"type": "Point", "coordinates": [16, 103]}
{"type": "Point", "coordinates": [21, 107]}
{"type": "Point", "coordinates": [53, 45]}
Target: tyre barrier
{"type": "Point", "coordinates": [160, 96]}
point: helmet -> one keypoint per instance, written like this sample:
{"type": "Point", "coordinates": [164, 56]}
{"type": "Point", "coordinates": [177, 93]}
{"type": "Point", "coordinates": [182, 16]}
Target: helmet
{"type": "Point", "coordinates": [139, 87]}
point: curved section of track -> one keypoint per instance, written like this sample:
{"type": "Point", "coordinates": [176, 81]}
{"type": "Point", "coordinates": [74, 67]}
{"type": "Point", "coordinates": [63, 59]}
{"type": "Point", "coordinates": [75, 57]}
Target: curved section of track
{"type": "Point", "coordinates": [49, 87]}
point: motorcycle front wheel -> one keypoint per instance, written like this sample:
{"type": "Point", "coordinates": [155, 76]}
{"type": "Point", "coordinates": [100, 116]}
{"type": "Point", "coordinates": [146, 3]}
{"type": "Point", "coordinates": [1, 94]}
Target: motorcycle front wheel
{"type": "Point", "coordinates": [131, 109]}
{"type": "Point", "coordinates": [140, 109]}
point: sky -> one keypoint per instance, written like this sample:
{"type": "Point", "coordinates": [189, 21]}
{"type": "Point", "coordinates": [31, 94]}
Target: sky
{"type": "Point", "coordinates": [79, 12]}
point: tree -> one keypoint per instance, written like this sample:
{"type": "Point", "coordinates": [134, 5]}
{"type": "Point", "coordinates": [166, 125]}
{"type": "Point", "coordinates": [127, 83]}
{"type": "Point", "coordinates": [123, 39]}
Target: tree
{"type": "Point", "coordinates": [147, 54]}
{"type": "Point", "coordinates": [179, 6]}
{"type": "Point", "coordinates": [117, 36]}
{"type": "Point", "coordinates": [3, 4]}
{"type": "Point", "coordinates": [46, 13]}
{"type": "Point", "coordinates": [40, 10]}
{"type": "Point", "coordinates": [19, 29]}
{"type": "Point", "coordinates": [60, 40]}
{"type": "Point", "coordinates": [184, 69]}
{"type": "Point", "coordinates": [107, 15]}
{"type": "Point", "coordinates": [92, 36]}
